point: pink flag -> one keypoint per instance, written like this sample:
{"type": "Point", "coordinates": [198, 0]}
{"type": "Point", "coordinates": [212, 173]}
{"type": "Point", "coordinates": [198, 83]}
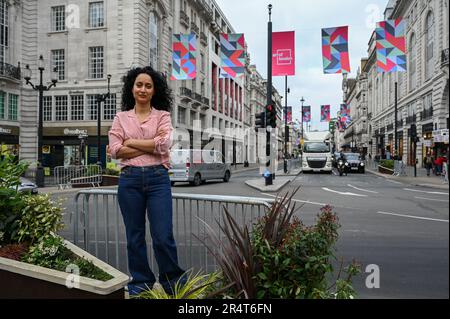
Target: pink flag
{"type": "Point", "coordinates": [283, 53]}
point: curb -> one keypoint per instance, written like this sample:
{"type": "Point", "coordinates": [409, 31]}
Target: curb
{"type": "Point", "coordinates": [271, 188]}
{"type": "Point", "coordinates": [442, 186]}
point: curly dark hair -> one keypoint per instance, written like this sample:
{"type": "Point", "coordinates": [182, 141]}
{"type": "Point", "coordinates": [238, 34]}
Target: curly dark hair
{"type": "Point", "coordinates": [161, 100]}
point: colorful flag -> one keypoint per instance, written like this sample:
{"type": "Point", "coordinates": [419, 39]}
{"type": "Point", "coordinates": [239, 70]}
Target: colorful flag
{"type": "Point", "coordinates": [306, 113]}
{"type": "Point", "coordinates": [283, 53]}
{"type": "Point", "coordinates": [289, 114]}
{"type": "Point", "coordinates": [391, 45]}
{"type": "Point", "coordinates": [232, 55]}
{"type": "Point", "coordinates": [184, 54]}
{"type": "Point", "coordinates": [335, 50]}
{"type": "Point", "coordinates": [325, 113]}
{"type": "Point", "coordinates": [345, 110]}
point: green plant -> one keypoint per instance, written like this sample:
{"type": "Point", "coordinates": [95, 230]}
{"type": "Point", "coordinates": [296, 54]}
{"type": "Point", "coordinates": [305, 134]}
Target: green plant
{"type": "Point", "coordinates": [40, 217]}
{"type": "Point", "coordinates": [112, 171]}
{"type": "Point", "coordinates": [387, 163]}
{"type": "Point", "coordinates": [52, 253]}
{"type": "Point", "coordinates": [197, 286]}
{"type": "Point", "coordinates": [282, 258]}
{"type": "Point", "coordinates": [11, 201]}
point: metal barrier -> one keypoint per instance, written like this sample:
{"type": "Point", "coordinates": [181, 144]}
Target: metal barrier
{"type": "Point", "coordinates": [98, 226]}
{"type": "Point", "coordinates": [445, 172]}
{"type": "Point", "coordinates": [66, 176]}
{"type": "Point", "coordinates": [293, 163]}
{"type": "Point", "coordinates": [399, 168]}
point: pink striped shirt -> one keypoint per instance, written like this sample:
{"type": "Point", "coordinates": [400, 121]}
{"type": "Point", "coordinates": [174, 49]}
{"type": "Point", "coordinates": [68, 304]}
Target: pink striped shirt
{"type": "Point", "coordinates": [157, 126]}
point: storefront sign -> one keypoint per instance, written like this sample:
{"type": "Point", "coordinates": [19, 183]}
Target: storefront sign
{"type": "Point", "coordinates": [75, 132]}
{"type": "Point", "coordinates": [5, 130]}
{"type": "Point", "coordinates": [441, 136]}
{"type": "Point", "coordinates": [9, 130]}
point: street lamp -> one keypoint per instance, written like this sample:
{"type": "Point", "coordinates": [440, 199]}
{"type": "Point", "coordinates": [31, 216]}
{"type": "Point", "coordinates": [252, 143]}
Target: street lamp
{"type": "Point", "coordinates": [41, 88]}
{"type": "Point", "coordinates": [287, 90]}
{"type": "Point", "coordinates": [100, 98]}
{"type": "Point", "coordinates": [301, 117]}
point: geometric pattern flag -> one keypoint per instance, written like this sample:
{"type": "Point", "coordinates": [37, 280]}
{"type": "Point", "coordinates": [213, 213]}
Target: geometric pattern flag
{"type": "Point", "coordinates": [183, 56]}
{"type": "Point", "coordinates": [325, 113]}
{"type": "Point", "coordinates": [232, 55]}
{"type": "Point", "coordinates": [335, 50]}
{"type": "Point", "coordinates": [391, 46]}
{"type": "Point", "coordinates": [283, 53]}
{"type": "Point", "coordinates": [289, 114]}
{"type": "Point", "coordinates": [306, 113]}
{"type": "Point", "coordinates": [345, 110]}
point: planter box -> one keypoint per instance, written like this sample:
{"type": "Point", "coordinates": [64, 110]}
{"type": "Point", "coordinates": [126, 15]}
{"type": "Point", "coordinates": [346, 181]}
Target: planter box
{"type": "Point", "coordinates": [23, 280]}
{"type": "Point", "coordinates": [385, 170]}
{"type": "Point", "coordinates": [110, 180]}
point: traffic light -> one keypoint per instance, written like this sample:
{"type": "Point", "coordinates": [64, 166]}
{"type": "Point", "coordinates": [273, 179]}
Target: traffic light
{"type": "Point", "coordinates": [271, 115]}
{"type": "Point", "coordinates": [260, 120]}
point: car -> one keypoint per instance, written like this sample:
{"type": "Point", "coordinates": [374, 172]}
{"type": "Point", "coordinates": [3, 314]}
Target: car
{"type": "Point", "coordinates": [27, 186]}
{"type": "Point", "coordinates": [355, 162]}
{"type": "Point", "coordinates": [198, 166]}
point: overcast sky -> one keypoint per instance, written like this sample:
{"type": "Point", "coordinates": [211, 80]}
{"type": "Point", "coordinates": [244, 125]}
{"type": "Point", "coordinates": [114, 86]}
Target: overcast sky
{"type": "Point", "coordinates": [306, 18]}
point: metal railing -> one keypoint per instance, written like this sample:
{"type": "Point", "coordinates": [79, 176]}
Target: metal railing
{"type": "Point", "coordinates": [399, 168]}
{"type": "Point", "coordinates": [66, 176]}
{"type": "Point", "coordinates": [9, 70]}
{"type": "Point", "coordinates": [97, 225]}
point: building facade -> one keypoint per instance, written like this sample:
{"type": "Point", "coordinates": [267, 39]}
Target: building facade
{"type": "Point", "coordinates": [422, 91]}
{"type": "Point", "coordinates": [89, 41]}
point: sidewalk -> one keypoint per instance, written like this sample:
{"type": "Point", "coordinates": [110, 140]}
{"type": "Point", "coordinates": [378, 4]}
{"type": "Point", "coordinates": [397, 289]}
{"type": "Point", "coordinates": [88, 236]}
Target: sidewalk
{"type": "Point", "coordinates": [281, 180]}
{"type": "Point", "coordinates": [421, 180]}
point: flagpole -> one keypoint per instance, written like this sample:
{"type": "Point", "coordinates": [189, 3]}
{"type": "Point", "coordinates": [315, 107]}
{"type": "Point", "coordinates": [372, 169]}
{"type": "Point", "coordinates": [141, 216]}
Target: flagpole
{"type": "Point", "coordinates": [285, 125]}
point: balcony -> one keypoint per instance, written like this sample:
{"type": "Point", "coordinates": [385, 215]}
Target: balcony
{"type": "Point", "coordinates": [197, 99]}
{"type": "Point", "coordinates": [204, 9]}
{"type": "Point", "coordinates": [444, 58]}
{"type": "Point", "coordinates": [9, 71]}
{"type": "Point", "coordinates": [390, 127]}
{"type": "Point", "coordinates": [195, 28]}
{"type": "Point", "coordinates": [203, 38]}
{"type": "Point", "coordinates": [427, 114]}
{"type": "Point", "coordinates": [205, 102]}
{"type": "Point", "coordinates": [184, 19]}
{"type": "Point", "coordinates": [411, 119]}
{"type": "Point", "coordinates": [186, 94]}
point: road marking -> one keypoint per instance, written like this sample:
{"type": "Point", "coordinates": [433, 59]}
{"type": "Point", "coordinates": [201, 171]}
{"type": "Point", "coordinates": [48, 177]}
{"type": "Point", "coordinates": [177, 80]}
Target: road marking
{"type": "Point", "coordinates": [360, 189]}
{"type": "Point", "coordinates": [437, 200]}
{"type": "Point", "coordinates": [343, 193]}
{"type": "Point", "coordinates": [415, 190]}
{"type": "Point", "coordinates": [395, 182]}
{"type": "Point", "coordinates": [299, 200]}
{"type": "Point", "coordinates": [416, 217]}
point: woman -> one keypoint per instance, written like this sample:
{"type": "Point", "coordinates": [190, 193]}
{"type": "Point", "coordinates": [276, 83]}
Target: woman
{"type": "Point", "coordinates": [141, 137]}
{"type": "Point", "coordinates": [428, 163]}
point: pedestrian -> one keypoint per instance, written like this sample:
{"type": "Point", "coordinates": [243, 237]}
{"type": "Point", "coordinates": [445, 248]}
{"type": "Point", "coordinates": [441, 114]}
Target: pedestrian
{"type": "Point", "coordinates": [141, 137]}
{"type": "Point", "coordinates": [428, 163]}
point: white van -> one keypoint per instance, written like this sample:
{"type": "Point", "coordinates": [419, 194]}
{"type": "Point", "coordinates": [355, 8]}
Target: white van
{"type": "Point", "coordinates": [197, 166]}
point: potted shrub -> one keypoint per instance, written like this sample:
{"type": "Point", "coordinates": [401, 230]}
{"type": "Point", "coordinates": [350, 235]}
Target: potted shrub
{"type": "Point", "coordinates": [37, 263]}
{"type": "Point", "coordinates": [386, 167]}
{"type": "Point", "coordinates": [280, 257]}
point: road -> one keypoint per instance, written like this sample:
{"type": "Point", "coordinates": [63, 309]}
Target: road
{"type": "Point", "coordinates": [402, 229]}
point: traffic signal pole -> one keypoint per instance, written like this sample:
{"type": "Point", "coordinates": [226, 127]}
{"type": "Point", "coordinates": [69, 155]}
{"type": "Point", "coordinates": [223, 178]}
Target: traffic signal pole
{"type": "Point", "coordinates": [268, 176]}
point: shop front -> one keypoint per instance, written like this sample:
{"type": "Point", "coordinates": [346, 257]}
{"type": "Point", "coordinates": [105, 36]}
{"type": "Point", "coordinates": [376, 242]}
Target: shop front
{"type": "Point", "coordinates": [9, 140]}
{"type": "Point", "coordinates": [441, 142]}
{"type": "Point", "coordinates": [427, 139]}
{"type": "Point", "coordinates": [72, 146]}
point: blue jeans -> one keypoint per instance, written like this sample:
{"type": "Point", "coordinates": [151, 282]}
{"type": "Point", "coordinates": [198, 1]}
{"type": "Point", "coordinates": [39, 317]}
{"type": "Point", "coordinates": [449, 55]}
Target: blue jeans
{"type": "Point", "coordinates": [141, 190]}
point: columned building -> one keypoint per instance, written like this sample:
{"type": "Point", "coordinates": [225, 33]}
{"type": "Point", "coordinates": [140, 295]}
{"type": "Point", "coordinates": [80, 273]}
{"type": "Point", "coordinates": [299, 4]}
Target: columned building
{"type": "Point", "coordinates": [11, 116]}
{"type": "Point", "coordinates": [422, 91]}
{"type": "Point", "coordinates": [88, 40]}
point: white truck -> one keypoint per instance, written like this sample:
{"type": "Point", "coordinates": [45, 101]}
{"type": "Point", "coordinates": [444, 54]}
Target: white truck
{"type": "Point", "coordinates": [316, 152]}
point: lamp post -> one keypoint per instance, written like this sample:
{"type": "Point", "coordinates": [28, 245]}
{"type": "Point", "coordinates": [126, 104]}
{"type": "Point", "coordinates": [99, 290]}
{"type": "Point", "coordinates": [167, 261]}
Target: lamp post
{"type": "Point", "coordinates": [268, 174]}
{"type": "Point", "coordinates": [100, 98]}
{"type": "Point", "coordinates": [41, 88]}
{"type": "Point", "coordinates": [286, 137]}
{"type": "Point", "coordinates": [301, 118]}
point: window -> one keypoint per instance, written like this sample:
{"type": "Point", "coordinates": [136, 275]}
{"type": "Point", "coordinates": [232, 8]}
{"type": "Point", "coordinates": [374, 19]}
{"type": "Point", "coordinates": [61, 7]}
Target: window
{"type": "Point", "coordinates": [91, 107]}
{"type": "Point", "coordinates": [58, 18]}
{"type": "Point", "coordinates": [96, 62]}
{"type": "Point", "coordinates": [2, 105]}
{"type": "Point", "coordinates": [58, 63]}
{"type": "Point", "coordinates": [61, 108]}
{"type": "Point", "coordinates": [4, 30]}
{"type": "Point", "coordinates": [429, 38]}
{"type": "Point", "coordinates": [96, 15]}
{"type": "Point", "coordinates": [412, 62]}
{"type": "Point", "coordinates": [48, 109]}
{"type": "Point", "coordinates": [181, 115]}
{"type": "Point", "coordinates": [110, 107]}
{"type": "Point", "coordinates": [153, 40]}
{"type": "Point", "coordinates": [12, 107]}
{"type": "Point", "coordinates": [77, 107]}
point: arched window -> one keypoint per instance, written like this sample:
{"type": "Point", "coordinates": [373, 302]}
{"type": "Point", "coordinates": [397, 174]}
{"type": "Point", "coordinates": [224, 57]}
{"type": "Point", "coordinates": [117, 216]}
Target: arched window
{"type": "Point", "coordinates": [429, 48]}
{"type": "Point", "coordinates": [153, 40]}
{"type": "Point", "coordinates": [4, 31]}
{"type": "Point", "coordinates": [412, 62]}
